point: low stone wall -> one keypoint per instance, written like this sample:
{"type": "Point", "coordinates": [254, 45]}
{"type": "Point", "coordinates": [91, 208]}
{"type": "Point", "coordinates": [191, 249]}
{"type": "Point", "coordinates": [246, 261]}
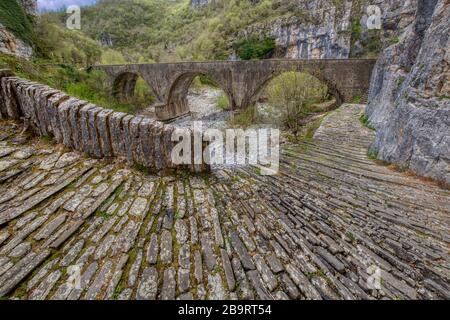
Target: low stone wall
{"type": "Point", "coordinates": [86, 127]}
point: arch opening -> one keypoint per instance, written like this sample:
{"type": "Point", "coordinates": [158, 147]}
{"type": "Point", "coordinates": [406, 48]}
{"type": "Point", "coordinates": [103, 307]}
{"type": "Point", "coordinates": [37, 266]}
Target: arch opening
{"type": "Point", "coordinates": [290, 99]}
{"type": "Point", "coordinates": [197, 95]}
{"type": "Point", "coordinates": [133, 93]}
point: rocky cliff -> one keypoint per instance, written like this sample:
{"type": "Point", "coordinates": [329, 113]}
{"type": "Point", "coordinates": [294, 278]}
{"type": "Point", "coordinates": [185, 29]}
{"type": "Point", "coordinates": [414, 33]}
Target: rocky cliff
{"type": "Point", "coordinates": [410, 94]}
{"type": "Point", "coordinates": [333, 29]}
{"type": "Point", "coordinates": [10, 44]}
{"type": "Point", "coordinates": [15, 27]}
{"type": "Point", "coordinates": [30, 6]}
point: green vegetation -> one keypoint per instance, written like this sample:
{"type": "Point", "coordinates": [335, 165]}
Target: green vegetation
{"type": "Point", "coordinates": [78, 83]}
{"type": "Point", "coordinates": [350, 236]}
{"type": "Point", "coordinates": [61, 45]}
{"type": "Point", "coordinates": [312, 128]}
{"type": "Point", "coordinates": [254, 48]}
{"type": "Point", "coordinates": [356, 29]}
{"type": "Point", "coordinates": [13, 17]}
{"type": "Point", "coordinates": [167, 31]}
{"type": "Point", "coordinates": [292, 96]}
{"type": "Point", "coordinates": [223, 102]}
{"type": "Point", "coordinates": [394, 40]}
{"type": "Point", "coordinates": [357, 99]}
{"type": "Point", "coordinates": [365, 121]}
{"type": "Point", "coordinates": [372, 154]}
{"type": "Point", "coordinates": [364, 43]}
{"type": "Point", "coordinates": [400, 81]}
{"type": "Point", "coordinates": [245, 119]}
{"type": "Point", "coordinates": [289, 99]}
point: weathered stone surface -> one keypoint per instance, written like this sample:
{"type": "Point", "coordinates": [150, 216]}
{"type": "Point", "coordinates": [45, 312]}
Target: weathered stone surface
{"type": "Point", "coordinates": [318, 230]}
{"type": "Point", "coordinates": [267, 276]}
{"type": "Point", "coordinates": [72, 254]}
{"type": "Point", "coordinates": [182, 231]}
{"type": "Point", "coordinates": [261, 291]}
{"type": "Point", "coordinates": [303, 283]}
{"type": "Point", "coordinates": [138, 207]}
{"type": "Point", "coordinates": [152, 251]}
{"type": "Point", "coordinates": [168, 286]}
{"type": "Point", "coordinates": [209, 255]}
{"type": "Point", "coordinates": [95, 289]}
{"type": "Point", "coordinates": [228, 270]}
{"type": "Point", "coordinates": [216, 289]}
{"type": "Point", "coordinates": [46, 286]}
{"type": "Point", "coordinates": [148, 286]}
{"type": "Point", "coordinates": [241, 251]}
{"type": "Point", "coordinates": [85, 280]}
{"type": "Point", "coordinates": [103, 131]}
{"type": "Point", "coordinates": [134, 271]}
{"type": "Point", "coordinates": [166, 247]}
{"type": "Point", "coordinates": [184, 257]}
{"type": "Point", "coordinates": [409, 104]}
{"type": "Point", "coordinates": [198, 267]}
{"type": "Point", "coordinates": [116, 133]}
{"type": "Point", "coordinates": [50, 227]}
{"type": "Point", "coordinates": [183, 280]}
{"type": "Point", "coordinates": [20, 250]}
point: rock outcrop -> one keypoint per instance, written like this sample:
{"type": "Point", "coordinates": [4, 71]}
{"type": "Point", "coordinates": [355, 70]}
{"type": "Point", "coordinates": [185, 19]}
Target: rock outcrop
{"type": "Point", "coordinates": [10, 44]}
{"type": "Point", "coordinates": [332, 29]}
{"type": "Point", "coordinates": [30, 6]}
{"type": "Point", "coordinates": [409, 101]}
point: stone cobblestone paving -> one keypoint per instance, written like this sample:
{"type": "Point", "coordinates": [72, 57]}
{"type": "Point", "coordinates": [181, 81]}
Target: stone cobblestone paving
{"type": "Point", "coordinates": [320, 229]}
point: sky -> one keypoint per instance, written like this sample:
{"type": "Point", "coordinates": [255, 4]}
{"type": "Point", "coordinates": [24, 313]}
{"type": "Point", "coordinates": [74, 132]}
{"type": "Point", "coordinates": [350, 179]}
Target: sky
{"type": "Point", "coordinates": [51, 5]}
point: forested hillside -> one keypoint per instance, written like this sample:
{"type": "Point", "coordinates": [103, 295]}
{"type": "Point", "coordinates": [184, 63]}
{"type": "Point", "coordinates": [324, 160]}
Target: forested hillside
{"type": "Point", "coordinates": [161, 30]}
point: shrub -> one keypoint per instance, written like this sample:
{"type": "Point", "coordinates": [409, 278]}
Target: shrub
{"type": "Point", "coordinates": [61, 45]}
{"type": "Point", "coordinates": [110, 56]}
{"type": "Point", "coordinates": [292, 95]}
{"type": "Point", "coordinates": [244, 119]}
{"type": "Point", "coordinates": [223, 102]}
{"type": "Point", "coordinates": [254, 48]}
{"type": "Point", "coordinates": [365, 122]}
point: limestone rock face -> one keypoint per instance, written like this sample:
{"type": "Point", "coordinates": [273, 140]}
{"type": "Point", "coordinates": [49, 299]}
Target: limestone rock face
{"type": "Point", "coordinates": [409, 101]}
{"type": "Point", "coordinates": [323, 28]}
{"type": "Point", "coordinates": [10, 44]}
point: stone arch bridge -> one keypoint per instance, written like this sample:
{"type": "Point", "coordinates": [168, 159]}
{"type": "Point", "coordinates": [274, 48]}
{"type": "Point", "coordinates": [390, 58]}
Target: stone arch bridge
{"type": "Point", "coordinates": [242, 81]}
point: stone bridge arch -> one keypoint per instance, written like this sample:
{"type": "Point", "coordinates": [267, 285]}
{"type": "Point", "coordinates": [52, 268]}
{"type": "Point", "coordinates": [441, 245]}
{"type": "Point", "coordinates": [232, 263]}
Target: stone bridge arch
{"type": "Point", "coordinates": [177, 101]}
{"type": "Point", "coordinates": [242, 81]}
{"type": "Point", "coordinates": [332, 88]}
{"type": "Point", "coordinates": [123, 85]}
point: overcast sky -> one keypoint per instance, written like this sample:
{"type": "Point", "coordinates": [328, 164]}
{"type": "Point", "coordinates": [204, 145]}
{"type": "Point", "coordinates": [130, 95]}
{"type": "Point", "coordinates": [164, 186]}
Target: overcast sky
{"type": "Point", "coordinates": [49, 5]}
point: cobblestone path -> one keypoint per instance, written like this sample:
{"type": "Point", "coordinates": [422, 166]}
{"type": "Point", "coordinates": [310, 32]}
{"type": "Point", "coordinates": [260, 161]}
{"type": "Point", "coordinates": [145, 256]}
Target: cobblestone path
{"type": "Point", "coordinates": [332, 225]}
